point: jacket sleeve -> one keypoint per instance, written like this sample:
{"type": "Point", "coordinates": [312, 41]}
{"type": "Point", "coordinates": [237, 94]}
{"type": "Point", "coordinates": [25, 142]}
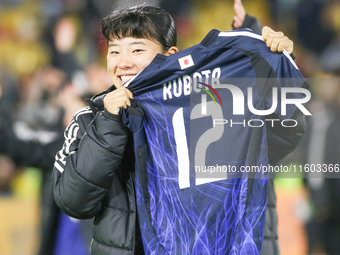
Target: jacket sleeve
{"type": "Point", "coordinates": [251, 23]}
{"type": "Point", "coordinates": [84, 167]}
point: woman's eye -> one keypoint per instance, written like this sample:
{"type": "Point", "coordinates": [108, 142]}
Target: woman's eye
{"type": "Point", "coordinates": [114, 52]}
{"type": "Point", "coordinates": [138, 50]}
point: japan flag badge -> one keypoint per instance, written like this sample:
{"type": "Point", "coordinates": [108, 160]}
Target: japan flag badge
{"type": "Point", "coordinates": [186, 62]}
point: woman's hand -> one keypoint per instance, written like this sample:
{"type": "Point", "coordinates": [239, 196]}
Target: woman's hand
{"type": "Point", "coordinates": [119, 98]}
{"type": "Point", "coordinates": [277, 41]}
{"type": "Point", "coordinates": [240, 14]}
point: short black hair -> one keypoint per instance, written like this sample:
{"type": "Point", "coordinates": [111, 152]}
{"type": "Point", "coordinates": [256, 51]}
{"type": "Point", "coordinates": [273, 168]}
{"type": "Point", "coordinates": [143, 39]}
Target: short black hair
{"type": "Point", "coordinates": [141, 21]}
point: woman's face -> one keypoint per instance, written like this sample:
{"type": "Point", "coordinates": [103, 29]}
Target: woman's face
{"type": "Point", "coordinates": [128, 56]}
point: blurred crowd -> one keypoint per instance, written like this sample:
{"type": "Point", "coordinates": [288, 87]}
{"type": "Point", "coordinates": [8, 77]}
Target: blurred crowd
{"type": "Point", "coordinates": [53, 57]}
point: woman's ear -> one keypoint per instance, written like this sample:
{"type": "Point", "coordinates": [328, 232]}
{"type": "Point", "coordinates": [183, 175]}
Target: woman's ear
{"type": "Point", "coordinates": [171, 50]}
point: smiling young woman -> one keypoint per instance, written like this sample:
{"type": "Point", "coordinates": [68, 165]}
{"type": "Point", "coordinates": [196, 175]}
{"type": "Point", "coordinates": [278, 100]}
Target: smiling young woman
{"type": "Point", "coordinates": [94, 172]}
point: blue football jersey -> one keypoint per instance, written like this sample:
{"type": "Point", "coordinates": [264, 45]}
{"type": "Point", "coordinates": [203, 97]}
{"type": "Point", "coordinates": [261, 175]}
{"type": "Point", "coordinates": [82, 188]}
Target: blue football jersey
{"type": "Point", "coordinates": [196, 193]}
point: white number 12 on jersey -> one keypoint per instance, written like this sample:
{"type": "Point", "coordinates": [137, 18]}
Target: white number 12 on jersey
{"type": "Point", "coordinates": [208, 137]}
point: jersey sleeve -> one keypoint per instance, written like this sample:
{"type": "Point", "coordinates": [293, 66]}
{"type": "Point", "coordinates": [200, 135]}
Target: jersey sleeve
{"type": "Point", "coordinates": [293, 93]}
{"type": "Point", "coordinates": [279, 71]}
